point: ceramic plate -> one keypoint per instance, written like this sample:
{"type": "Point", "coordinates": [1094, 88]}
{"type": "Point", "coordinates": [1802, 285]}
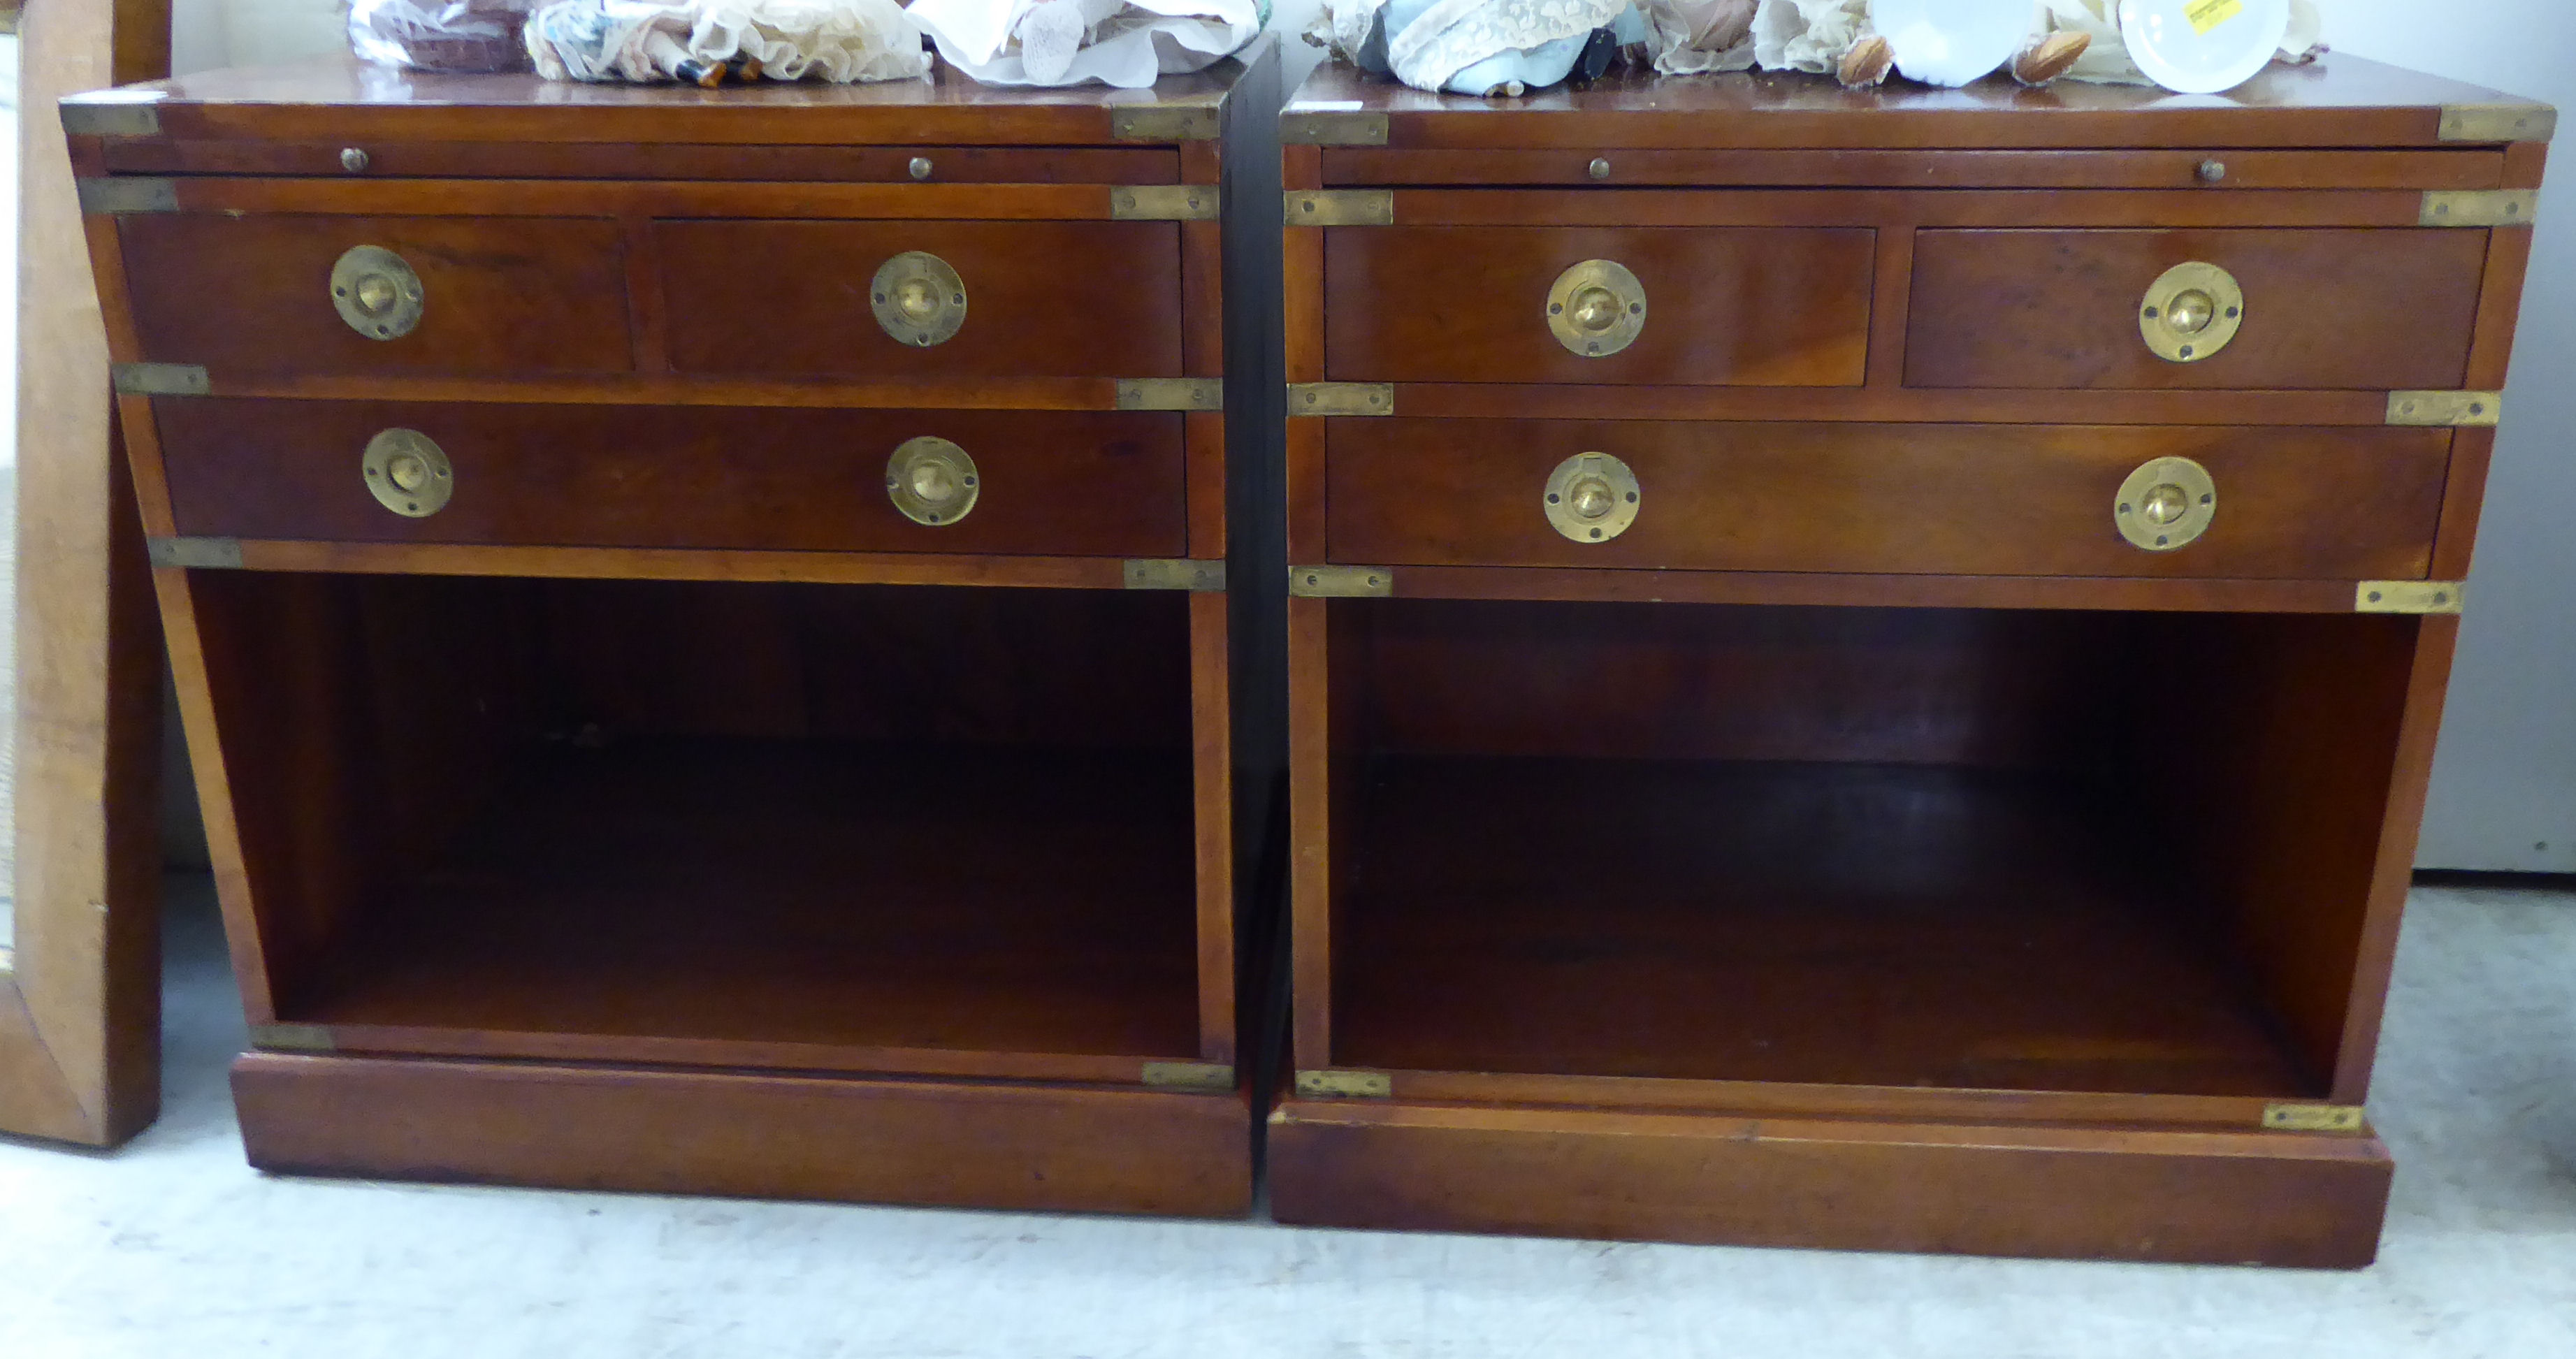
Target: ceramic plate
{"type": "Point", "coordinates": [2203, 46]}
{"type": "Point", "coordinates": [1951, 42]}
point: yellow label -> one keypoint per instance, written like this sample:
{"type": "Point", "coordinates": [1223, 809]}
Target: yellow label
{"type": "Point", "coordinates": [2208, 14]}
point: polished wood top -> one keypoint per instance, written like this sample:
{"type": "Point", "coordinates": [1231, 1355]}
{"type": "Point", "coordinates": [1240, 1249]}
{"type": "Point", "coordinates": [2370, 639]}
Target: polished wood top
{"type": "Point", "coordinates": [352, 100]}
{"type": "Point", "coordinates": [2338, 101]}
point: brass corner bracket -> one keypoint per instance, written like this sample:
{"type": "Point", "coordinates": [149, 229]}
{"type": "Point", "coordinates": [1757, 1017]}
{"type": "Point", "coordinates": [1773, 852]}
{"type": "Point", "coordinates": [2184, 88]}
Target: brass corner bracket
{"type": "Point", "coordinates": [125, 195]}
{"type": "Point", "coordinates": [2313, 1117]}
{"type": "Point", "coordinates": [1173, 573]}
{"type": "Point", "coordinates": [1341, 398]}
{"type": "Point", "coordinates": [1332, 127]}
{"type": "Point", "coordinates": [1178, 120]}
{"type": "Point", "coordinates": [2410, 596]}
{"type": "Point", "coordinates": [1340, 582]}
{"type": "Point", "coordinates": [2457, 409]}
{"type": "Point", "coordinates": [1171, 394]}
{"type": "Point", "coordinates": [1345, 1084]}
{"type": "Point", "coordinates": [158, 379]}
{"type": "Point", "coordinates": [220, 554]}
{"type": "Point", "coordinates": [2480, 208]}
{"type": "Point", "coordinates": [1189, 1075]}
{"type": "Point", "coordinates": [2516, 122]}
{"type": "Point", "coordinates": [1163, 203]}
{"type": "Point", "coordinates": [1339, 207]}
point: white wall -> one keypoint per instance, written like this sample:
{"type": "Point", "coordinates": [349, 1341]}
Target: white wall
{"type": "Point", "coordinates": [2504, 783]}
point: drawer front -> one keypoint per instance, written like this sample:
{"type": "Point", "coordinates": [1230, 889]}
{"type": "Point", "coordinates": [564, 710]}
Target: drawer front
{"type": "Point", "coordinates": [1724, 306]}
{"type": "Point", "coordinates": [498, 295]}
{"type": "Point", "coordinates": [1043, 299]}
{"type": "Point", "coordinates": [1071, 483]}
{"type": "Point", "coordinates": [2368, 310]}
{"type": "Point", "coordinates": [1937, 499]}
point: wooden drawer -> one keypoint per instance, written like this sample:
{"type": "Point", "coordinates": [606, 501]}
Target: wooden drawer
{"type": "Point", "coordinates": [2372, 310]}
{"type": "Point", "coordinates": [500, 295]}
{"type": "Point", "coordinates": [1941, 499]}
{"type": "Point", "coordinates": [1043, 299]}
{"type": "Point", "coordinates": [1069, 483]}
{"type": "Point", "coordinates": [1753, 306]}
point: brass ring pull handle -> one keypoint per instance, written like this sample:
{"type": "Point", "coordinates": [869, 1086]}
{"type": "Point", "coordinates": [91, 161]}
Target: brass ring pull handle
{"type": "Point", "coordinates": [408, 473]}
{"type": "Point", "coordinates": [376, 292]}
{"type": "Point", "coordinates": [2165, 504]}
{"type": "Point", "coordinates": [932, 481]}
{"type": "Point", "coordinates": [918, 299]}
{"type": "Point", "coordinates": [1596, 308]}
{"type": "Point", "coordinates": [1591, 498]}
{"type": "Point", "coordinates": [2191, 312]}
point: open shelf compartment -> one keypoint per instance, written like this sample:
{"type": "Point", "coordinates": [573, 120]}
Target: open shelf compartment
{"type": "Point", "coordinates": [761, 824]}
{"type": "Point", "coordinates": [1961, 849]}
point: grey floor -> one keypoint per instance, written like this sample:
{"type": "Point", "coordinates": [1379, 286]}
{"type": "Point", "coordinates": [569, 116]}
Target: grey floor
{"type": "Point", "coordinates": [172, 1247]}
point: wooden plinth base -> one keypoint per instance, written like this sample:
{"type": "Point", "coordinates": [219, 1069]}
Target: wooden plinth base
{"type": "Point", "coordinates": [992, 1145]}
{"type": "Point", "coordinates": [2271, 1198]}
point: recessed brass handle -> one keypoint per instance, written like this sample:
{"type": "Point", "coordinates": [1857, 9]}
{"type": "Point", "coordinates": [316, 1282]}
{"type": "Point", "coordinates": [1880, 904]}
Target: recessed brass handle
{"type": "Point", "coordinates": [1596, 308]}
{"type": "Point", "coordinates": [1591, 498]}
{"type": "Point", "coordinates": [932, 481]}
{"type": "Point", "coordinates": [2190, 312]}
{"type": "Point", "coordinates": [376, 292]}
{"type": "Point", "coordinates": [2165, 504]}
{"type": "Point", "coordinates": [408, 473]}
{"type": "Point", "coordinates": [918, 298]}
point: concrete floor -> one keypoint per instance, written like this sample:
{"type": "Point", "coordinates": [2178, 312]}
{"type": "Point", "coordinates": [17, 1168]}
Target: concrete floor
{"type": "Point", "coordinates": [174, 1247]}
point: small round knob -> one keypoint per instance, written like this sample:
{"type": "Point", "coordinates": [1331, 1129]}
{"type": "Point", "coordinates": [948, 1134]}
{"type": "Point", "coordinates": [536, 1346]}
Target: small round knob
{"type": "Point", "coordinates": [920, 167]}
{"type": "Point", "coordinates": [1591, 498]}
{"type": "Point", "coordinates": [408, 471]}
{"type": "Point", "coordinates": [1596, 309]}
{"type": "Point", "coordinates": [2164, 504]}
{"type": "Point", "coordinates": [376, 293]}
{"type": "Point", "coordinates": [2212, 171]}
{"type": "Point", "coordinates": [2190, 311]}
{"type": "Point", "coordinates": [352, 159]}
{"type": "Point", "coordinates": [1600, 167]}
{"type": "Point", "coordinates": [917, 299]}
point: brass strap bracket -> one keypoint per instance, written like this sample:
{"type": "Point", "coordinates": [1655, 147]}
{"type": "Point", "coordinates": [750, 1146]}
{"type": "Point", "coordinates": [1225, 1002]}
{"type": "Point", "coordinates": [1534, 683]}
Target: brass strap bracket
{"type": "Point", "coordinates": [292, 1038]}
{"type": "Point", "coordinates": [2410, 596]}
{"type": "Point", "coordinates": [1332, 127]}
{"type": "Point", "coordinates": [1163, 203]}
{"type": "Point", "coordinates": [2445, 408]}
{"type": "Point", "coordinates": [1340, 207]}
{"type": "Point", "coordinates": [223, 554]}
{"type": "Point", "coordinates": [1189, 1075]}
{"type": "Point", "coordinates": [158, 379]}
{"type": "Point", "coordinates": [1341, 398]}
{"type": "Point", "coordinates": [2313, 1117]}
{"type": "Point", "coordinates": [1345, 1084]}
{"type": "Point", "coordinates": [2480, 208]}
{"type": "Point", "coordinates": [1174, 573]}
{"type": "Point", "coordinates": [126, 195]}
{"type": "Point", "coordinates": [1177, 120]}
{"type": "Point", "coordinates": [112, 113]}
{"type": "Point", "coordinates": [1171, 394]}
{"type": "Point", "coordinates": [2519, 122]}
{"type": "Point", "coordinates": [1341, 582]}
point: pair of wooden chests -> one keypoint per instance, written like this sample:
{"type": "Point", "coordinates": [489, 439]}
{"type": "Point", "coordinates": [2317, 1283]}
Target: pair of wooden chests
{"type": "Point", "coordinates": [1709, 659]}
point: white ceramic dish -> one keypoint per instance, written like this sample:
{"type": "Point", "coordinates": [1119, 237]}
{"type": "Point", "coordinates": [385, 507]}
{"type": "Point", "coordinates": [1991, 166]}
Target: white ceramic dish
{"type": "Point", "coordinates": [1951, 42]}
{"type": "Point", "coordinates": [2203, 46]}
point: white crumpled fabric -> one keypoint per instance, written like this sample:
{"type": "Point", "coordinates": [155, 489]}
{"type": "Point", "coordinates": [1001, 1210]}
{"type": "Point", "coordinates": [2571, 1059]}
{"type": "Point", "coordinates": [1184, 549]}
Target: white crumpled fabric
{"type": "Point", "coordinates": [1699, 37]}
{"type": "Point", "coordinates": [2107, 61]}
{"type": "Point", "coordinates": [646, 43]}
{"type": "Point", "coordinates": [1123, 43]}
{"type": "Point", "coordinates": [1807, 35]}
{"type": "Point", "coordinates": [1451, 35]}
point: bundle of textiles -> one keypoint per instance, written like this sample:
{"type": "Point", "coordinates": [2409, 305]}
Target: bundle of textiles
{"type": "Point", "coordinates": [708, 42]}
{"type": "Point", "coordinates": [1508, 47]}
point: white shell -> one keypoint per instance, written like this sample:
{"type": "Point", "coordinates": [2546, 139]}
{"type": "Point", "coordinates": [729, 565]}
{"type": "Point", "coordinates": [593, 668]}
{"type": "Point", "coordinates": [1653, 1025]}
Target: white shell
{"type": "Point", "coordinates": [1952, 42]}
{"type": "Point", "coordinates": [2183, 59]}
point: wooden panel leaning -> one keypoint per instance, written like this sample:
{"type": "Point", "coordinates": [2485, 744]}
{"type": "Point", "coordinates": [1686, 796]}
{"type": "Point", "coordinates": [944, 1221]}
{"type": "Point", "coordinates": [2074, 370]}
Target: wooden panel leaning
{"type": "Point", "coordinates": [701, 684]}
{"type": "Point", "coordinates": [1862, 666]}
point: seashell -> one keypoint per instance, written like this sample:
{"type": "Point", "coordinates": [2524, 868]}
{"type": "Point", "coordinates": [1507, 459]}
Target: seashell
{"type": "Point", "coordinates": [2050, 57]}
{"type": "Point", "coordinates": [1866, 63]}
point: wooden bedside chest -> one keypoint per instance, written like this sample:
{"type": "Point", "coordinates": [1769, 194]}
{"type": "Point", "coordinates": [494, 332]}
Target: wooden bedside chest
{"type": "Point", "coordinates": [702, 617]}
{"type": "Point", "coordinates": [1864, 664]}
